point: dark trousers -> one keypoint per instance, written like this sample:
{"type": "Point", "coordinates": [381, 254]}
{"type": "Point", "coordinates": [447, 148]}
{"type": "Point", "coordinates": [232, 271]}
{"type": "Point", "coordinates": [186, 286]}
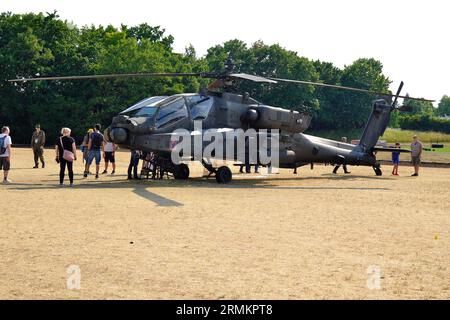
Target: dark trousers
{"type": "Point", "coordinates": [38, 155]}
{"type": "Point", "coordinates": [133, 167]}
{"type": "Point", "coordinates": [337, 167]}
{"type": "Point", "coordinates": [62, 169]}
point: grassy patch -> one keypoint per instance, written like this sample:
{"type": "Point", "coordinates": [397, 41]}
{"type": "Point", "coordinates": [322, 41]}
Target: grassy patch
{"type": "Point", "coordinates": [397, 135]}
{"type": "Point", "coordinates": [390, 135]}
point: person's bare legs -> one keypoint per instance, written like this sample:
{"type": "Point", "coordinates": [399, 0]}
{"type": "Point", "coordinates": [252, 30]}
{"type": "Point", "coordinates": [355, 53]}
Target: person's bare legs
{"type": "Point", "coordinates": [106, 167]}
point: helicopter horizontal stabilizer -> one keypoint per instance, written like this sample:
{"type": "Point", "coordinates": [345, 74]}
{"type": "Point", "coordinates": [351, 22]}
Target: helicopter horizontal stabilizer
{"type": "Point", "coordinates": [383, 149]}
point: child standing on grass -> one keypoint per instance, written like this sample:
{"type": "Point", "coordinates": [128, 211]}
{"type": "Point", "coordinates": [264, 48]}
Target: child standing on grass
{"type": "Point", "coordinates": [395, 160]}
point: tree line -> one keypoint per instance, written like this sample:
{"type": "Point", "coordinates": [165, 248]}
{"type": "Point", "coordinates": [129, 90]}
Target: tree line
{"type": "Point", "coordinates": [44, 45]}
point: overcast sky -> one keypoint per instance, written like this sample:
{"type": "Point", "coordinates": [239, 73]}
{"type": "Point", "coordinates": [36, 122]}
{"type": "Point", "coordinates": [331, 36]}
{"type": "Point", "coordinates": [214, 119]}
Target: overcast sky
{"type": "Point", "coordinates": [410, 37]}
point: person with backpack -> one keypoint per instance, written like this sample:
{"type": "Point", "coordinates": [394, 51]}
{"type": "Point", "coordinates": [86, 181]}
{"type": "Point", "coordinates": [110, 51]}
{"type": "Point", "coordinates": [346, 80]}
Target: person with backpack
{"type": "Point", "coordinates": [66, 153]}
{"type": "Point", "coordinates": [5, 153]}
{"type": "Point", "coordinates": [95, 146]}
{"type": "Point", "coordinates": [84, 145]}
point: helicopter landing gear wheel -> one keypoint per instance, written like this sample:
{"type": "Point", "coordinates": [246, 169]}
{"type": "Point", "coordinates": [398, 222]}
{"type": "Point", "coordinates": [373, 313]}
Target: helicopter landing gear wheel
{"type": "Point", "coordinates": [223, 175]}
{"type": "Point", "coordinates": [181, 172]}
{"type": "Point", "coordinates": [377, 170]}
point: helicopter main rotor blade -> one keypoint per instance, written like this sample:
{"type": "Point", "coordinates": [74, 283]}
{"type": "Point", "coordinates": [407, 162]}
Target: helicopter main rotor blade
{"type": "Point", "coordinates": [115, 75]}
{"type": "Point", "coordinates": [135, 75]}
{"type": "Point", "coordinates": [319, 84]}
{"type": "Point", "coordinates": [250, 77]}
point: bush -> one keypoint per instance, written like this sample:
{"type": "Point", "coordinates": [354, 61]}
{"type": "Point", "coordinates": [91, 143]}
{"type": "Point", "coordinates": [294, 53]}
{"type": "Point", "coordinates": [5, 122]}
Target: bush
{"type": "Point", "coordinates": [424, 123]}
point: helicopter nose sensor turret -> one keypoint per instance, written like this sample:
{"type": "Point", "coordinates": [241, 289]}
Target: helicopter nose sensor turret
{"type": "Point", "coordinates": [118, 135]}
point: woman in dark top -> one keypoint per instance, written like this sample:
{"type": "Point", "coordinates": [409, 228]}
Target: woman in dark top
{"type": "Point", "coordinates": [65, 142]}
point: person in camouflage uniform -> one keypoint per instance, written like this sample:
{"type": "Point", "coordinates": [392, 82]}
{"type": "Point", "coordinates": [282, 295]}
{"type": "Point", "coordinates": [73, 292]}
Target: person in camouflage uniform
{"type": "Point", "coordinates": [37, 144]}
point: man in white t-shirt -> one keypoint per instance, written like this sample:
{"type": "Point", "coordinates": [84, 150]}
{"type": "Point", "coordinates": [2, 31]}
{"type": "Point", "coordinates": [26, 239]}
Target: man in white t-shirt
{"type": "Point", "coordinates": [5, 154]}
{"type": "Point", "coordinates": [109, 155]}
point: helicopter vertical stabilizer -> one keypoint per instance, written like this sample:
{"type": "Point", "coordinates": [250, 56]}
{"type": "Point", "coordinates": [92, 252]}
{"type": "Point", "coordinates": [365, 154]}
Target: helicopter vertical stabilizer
{"type": "Point", "coordinates": [376, 125]}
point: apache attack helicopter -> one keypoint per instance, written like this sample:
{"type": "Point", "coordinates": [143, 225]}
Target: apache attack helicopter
{"type": "Point", "coordinates": [149, 125]}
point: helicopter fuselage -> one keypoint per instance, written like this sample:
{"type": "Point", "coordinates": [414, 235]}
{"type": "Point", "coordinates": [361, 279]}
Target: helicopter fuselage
{"type": "Point", "coordinates": [152, 125]}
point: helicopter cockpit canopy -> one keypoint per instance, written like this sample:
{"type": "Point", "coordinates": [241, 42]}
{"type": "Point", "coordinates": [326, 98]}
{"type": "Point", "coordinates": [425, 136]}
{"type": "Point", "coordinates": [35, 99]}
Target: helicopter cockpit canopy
{"type": "Point", "coordinates": [147, 102]}
{"type": "Point", "coordinates": [172, 108]}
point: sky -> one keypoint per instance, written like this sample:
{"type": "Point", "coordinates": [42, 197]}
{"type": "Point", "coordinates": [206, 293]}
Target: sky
{"type": "Point", "coordinates": [411, 38]}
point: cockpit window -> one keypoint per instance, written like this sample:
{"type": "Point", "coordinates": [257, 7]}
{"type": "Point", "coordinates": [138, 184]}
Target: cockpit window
{"type": "Point", "coordinates": [146, 112]}
{"type": "Point", "coordinates": [200, 106]}
{"type": "Point", "coordinates": [172, 112]}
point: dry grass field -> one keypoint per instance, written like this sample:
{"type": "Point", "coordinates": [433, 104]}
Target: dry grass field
{"type": "Point", "coordinates": [285, 237]}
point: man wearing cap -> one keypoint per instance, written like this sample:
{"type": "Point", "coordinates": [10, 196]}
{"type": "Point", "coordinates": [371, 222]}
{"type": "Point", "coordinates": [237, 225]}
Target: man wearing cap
{"type": "Point", "coordinates": [416, 153]}
{"type": "Point", "coordinates": [37, 144]}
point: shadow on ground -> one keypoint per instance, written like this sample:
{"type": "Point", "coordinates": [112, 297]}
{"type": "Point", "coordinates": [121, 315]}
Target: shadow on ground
{"type": "Point", "coordinates": [141, 187]}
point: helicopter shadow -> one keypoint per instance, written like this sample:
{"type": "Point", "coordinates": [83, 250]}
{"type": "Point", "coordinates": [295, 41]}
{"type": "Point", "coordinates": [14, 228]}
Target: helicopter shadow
{"type": "Point", "coordinates": [267, 182]}
{"type": "Point", "coordinates": [139, 189]}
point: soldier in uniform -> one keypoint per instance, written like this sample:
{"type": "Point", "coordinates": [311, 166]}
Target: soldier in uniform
{"type": "Point", "coordinates": [37, 144]}
{"type": "Point", "coordinates": [343, 139]}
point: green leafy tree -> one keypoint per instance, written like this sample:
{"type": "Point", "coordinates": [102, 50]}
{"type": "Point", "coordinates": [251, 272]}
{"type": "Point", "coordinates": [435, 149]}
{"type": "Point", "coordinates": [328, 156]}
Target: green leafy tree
{"type": "Point", "coordinates": [329, 99]}
{"type": "Point", "coordinates": [354, 107]}
{"type": "Point", "coordinates": [419, 107]}
{"type": "Point", "coordinates": [269, 61]}
{"type": "Point", "coordinates": [444, 107]}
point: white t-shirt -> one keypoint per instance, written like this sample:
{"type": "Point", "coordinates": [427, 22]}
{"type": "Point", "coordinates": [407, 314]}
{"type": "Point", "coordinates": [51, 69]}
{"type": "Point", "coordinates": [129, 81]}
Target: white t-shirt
{"type": "Point", "coordinates": [109, 147]}
{"type": "Point", "coordinates": [7, 143]}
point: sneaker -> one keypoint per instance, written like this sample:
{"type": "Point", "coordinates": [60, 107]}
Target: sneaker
{"type": "Point", "coordinates": [43, 165]}
{"type": "Point", "coordinates": [96, 176]}
{"type": "Point", "coordinates": [114, 171]}
{"type": "Point", "coordinates": [61, 184]}
{"type": "Point", "coordinates": [104, 172]}
{"type": "Point", "coordinates": [85, 175]}
{"type": "Point", "coordinates": [6, 181]}
{"type": "Point", "coordinates": [415, 175]}
{"type": "Point", "coordinates": [71, 185]}
{"type": "Point", "coordinates": [36, 166]}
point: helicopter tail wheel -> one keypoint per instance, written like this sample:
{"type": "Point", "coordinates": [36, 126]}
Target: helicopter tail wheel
{"type": "Point", "coordinates": [377, 170]}
{"type": "Point", "coordinates": [223, 175]}
{"type": "Point", "coordinates": [181, 172]}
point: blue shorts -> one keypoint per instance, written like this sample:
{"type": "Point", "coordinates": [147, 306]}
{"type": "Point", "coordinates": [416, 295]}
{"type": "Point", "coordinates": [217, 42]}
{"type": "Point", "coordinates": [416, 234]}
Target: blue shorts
{"type": "Point", "coordinates": [396, 161]}
{"type": "Point", "coordinates": [94, 154]}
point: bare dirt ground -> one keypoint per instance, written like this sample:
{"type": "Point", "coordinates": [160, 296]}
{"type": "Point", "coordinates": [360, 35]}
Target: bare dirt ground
{"type": "Point", "coordinates": [288, 237]}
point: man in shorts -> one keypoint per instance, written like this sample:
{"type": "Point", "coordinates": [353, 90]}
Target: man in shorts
{"type": "Point", "coordinates": [109, 156]}
{"type": "Point", "coordinates": [5, 154]}
{"type": "Point", "coordinates": [416, 153]}
{"type": "Point", "coordinates": [95, 146]}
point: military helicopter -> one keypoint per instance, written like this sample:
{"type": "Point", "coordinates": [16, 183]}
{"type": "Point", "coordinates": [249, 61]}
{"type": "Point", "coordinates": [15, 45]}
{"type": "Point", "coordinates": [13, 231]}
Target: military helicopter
{"type": "Point", "coordinates": [149, 125]}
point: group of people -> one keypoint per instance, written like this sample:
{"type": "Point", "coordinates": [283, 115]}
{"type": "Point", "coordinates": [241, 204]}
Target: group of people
{"type": "Point", "coordinates": [92, 147]}
{"type": "Point", "coordinates": [416, 154]}
{"type": "Point", "coordinates": [94, 144]}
